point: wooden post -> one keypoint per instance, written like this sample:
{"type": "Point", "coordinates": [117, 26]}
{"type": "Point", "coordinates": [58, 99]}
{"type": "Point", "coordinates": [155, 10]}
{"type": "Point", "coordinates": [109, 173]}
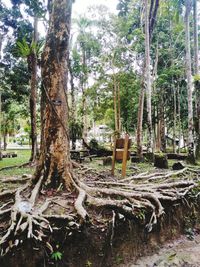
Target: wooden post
{"type": "Point", "coordinates": [125, 155]}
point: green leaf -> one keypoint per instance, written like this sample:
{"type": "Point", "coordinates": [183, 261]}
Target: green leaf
{"type": "Point", "coordinates": [57, 255]}
{"type": "Point", "coordinates": [172, 256]}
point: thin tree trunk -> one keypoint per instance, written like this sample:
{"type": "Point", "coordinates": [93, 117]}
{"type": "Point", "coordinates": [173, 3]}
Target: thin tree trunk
{"type": "Point", "coordinates": [73, 111]}
{"type": "Point", "coordinates": [33, 97]}
{"type": "Point", "coordinates": [55, 164]}
{"type": "Point", "coordinates": [174, 120]}
{"type": "Point", "coordinates": [73, 107]}
{"type": "Point", "coordinates": [158, 139]}
{"type": "Point", "coordinates": [4, 130]}
{"type": "Point", "coordinates": [191, 158]}
{"type": "Point", "coordinates": [196, 73]}
{"type": "Point", "coordinates": [84, 100]}
{"type": "Point", "coordinates": [119, 108]}
{"type": "Point", "coordinates": [162, 122]}
{"type": "Point", "coordinates": [139, 122]}
{"type": "Point", "coordinates": [85, 122]}
{"type": "Point", "coordinates": [5, 140]}
{"type": "Point", "coordinates": [1, 42]}
{"type": "Point", "coordinates": [152, 17]}
{"type": "Point", "coordinates": [115, 103]}
{"type": "Point", "coordinates": [196, 46]}
{"type": "Point", "coordinates": [179, 117]}
{"type": "Point", "coordinates": [148, 81]}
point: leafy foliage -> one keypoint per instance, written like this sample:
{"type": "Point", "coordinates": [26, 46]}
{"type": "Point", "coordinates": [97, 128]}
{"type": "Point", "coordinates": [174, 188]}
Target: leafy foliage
{"type": "Point", "coordinates": [56, 255]}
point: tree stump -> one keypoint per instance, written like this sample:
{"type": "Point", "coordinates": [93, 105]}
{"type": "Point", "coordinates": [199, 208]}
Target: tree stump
{"type": "Point", "coordinates": [107, 161]}
{"type": "Point", "coordinates": [136, 159]}
{"type": "Point", "coordinates": [191, 159]}
{"type": "Point", "coordinates": [160, 161]}
{"type": "Point", "coordinates": [149, 156]}
{"type": "Point", "coordinates": [178, 166]}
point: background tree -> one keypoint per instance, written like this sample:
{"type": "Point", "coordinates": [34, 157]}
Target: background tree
{"type": "Point", "coordinates": [189, 82]}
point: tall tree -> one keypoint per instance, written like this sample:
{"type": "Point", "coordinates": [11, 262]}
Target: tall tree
{"type": "Point", "coordinates": [197, 78]}
{"type": "Point", "coordinates": [55, 154]}
{"type": "Point", "coordinates": [33, 94]}
{"type": "Point", "coordinates": [189, 81]}
{"type": "Point", "coordinates": [148, 79]}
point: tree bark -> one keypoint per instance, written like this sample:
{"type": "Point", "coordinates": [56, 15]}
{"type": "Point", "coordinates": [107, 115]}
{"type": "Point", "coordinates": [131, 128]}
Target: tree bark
{"type": "Point", "coordinates": [148, 81]}
{"type": "Point", "coordinates": [84, 99]}
{"type": "Point", "coordinates": [139, 122]}
{"type": "Point", "coordinates": [153, 15]}
{"type": "Point", "coordinates": [73, 110]}
{"type": "Point", "coordinates": [33, 96]}
{"type": "Point", "coordinates": [1, 42]}
{"type": "Point", "coordinates": [161, 112]}
{"type": "Point", "coordinates": [196, 46]}
{"type": "Point", "coordinates": [196, 73]}
{"type": "Point", "coordinates": [118, 108]}
{"type": "Point", "coordinates": [189, 83]}
{"type": "Point", "coordinates": [85, 121]}
{"type": "Point", "coordinates": [179, 117]}
{"type": "Point", "coordinates": [5, 131]}
{"type": "Point", "coordinates": [174, 120]}
{"type": "Point", "coordinates": [55, 164]}
{"type": "Point", "coordinates": [158, 140]}
{"type": "Point", "coordinates": [115, 103]}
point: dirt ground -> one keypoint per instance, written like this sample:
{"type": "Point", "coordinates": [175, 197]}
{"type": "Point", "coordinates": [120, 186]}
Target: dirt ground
{"type": "Point", "coordinates": [180, 253]}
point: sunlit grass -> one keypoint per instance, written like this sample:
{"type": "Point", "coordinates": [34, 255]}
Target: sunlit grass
{"type": "Point", "coordinates": [22, 157]}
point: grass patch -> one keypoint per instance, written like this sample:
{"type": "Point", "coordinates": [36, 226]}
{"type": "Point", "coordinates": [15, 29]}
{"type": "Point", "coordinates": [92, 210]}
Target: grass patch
{"type": "Point", "coordinates": [22, 157]}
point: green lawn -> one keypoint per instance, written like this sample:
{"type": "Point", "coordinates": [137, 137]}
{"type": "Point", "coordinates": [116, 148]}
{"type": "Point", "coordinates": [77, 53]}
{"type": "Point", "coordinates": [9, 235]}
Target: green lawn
{"type": "Point", "coordinates": [22, 157]}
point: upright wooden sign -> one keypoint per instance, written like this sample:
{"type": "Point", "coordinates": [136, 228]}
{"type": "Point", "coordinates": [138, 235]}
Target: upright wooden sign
{"type": "Point", "coordinates": [121, 152]}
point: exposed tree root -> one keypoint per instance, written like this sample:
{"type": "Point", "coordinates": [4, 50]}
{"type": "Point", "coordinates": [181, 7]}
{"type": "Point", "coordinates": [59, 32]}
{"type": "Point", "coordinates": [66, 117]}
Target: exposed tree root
{"type": "Point", "coordinates": [15, 180]}
{"type": "Point", "coordinates": [30, 214]}
{"type": "Point", "coordinates": [155, 176]}
{"type": "Point", "coordinates": [24, 216]}
{"type": "Point", "coordinates": [7, 193]}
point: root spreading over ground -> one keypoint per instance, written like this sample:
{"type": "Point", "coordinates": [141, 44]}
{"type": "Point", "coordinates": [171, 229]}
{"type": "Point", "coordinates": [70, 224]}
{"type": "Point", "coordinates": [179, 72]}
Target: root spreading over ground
{"type": "Point", "coordinates": [30, 211]}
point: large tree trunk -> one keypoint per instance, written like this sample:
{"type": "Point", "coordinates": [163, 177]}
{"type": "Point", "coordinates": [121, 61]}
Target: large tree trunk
{"type": "Point", "coordinates": [189, 83]}
{"type": "Point", "coordinates": [55, 154]}
{"type": "Point", "coordinates": [33, 96]}
{"type": "Point", "coordinates": [196, 73]}
{"type": "Point", "coordinates": [148, 80]}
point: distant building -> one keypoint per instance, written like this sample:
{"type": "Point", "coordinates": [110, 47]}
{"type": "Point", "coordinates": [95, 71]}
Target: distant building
{"type": "Point", "coordinates": [102, 133]}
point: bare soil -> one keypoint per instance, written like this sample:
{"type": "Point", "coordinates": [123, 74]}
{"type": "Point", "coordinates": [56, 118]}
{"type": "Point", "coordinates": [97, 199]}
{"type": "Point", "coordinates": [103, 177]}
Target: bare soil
{"type": "Point", "coordinates": [182, 253]}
